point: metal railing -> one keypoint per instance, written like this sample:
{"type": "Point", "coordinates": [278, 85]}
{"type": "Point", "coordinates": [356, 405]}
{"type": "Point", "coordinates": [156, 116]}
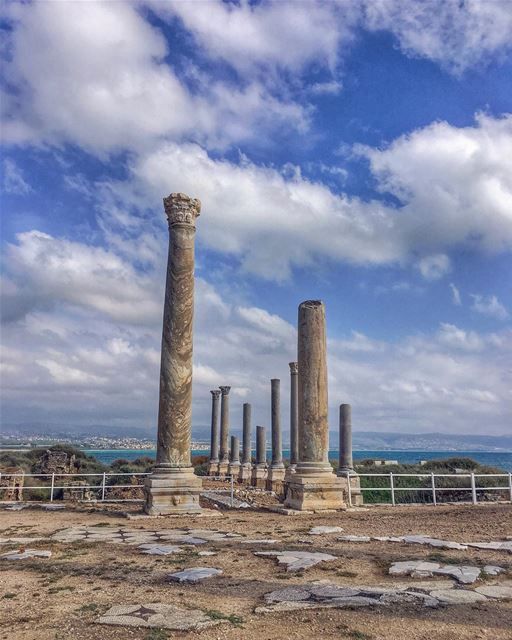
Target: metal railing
{"type": "Point", "coordinates": [102, 488]}
{"type": "Point", "coordinates": [430, 487]}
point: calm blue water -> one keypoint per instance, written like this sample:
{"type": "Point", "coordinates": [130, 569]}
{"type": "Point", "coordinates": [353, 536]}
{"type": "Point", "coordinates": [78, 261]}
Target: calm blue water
{"type": "Point", "coordinates": [495, 459]}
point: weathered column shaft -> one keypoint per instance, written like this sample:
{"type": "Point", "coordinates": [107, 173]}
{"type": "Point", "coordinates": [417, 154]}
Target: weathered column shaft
{"type": "Point", "coordinates": [345, 446]}
{"type": "Point", "coordinates": [294, 413]}
{"type": "Point", "coordinates": [313, 403]}
{"type": "Point", "coordinates": [175, 406]}
{"type": "Point", "coordinates": [235, 449]}
{"type": "Point", "coordinates": [261, 446]}
{"type": "Point", "coordinates": [224, 424]}
{"type": "Point", "coordinates": [246, 456]}
{"type": "Point", "coordinates": [277, 443]}
{"type": "Point", "coordinates": [214, 445]}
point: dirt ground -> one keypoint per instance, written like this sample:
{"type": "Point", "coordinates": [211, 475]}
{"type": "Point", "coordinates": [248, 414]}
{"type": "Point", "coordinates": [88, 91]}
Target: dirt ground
{"type": "Point", "coordinates": [61, 597]}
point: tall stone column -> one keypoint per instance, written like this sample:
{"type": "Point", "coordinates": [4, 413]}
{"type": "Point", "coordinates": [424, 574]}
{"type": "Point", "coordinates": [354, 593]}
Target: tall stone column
{"type": "Point", "coordinates": [172, 487]}
{"type": "Point", "coordinates": [245, 467]}
{"type": "Point", "coordinates": [259, 470]}
{"type": "Point", "coordinates": [276, 471]}
{"type": "Point", "coordinates": [224, 430]}
{"type": "Point", "coordinates": [294, 420]}
{"type": "Point", "coordinates": [314, 486]}
{"type": "Point", "coordinates": [346, 466]}
{"type": "Point", "coordinates": [234, 457]}
{"type": "Point", "coordinates": [213, 465]}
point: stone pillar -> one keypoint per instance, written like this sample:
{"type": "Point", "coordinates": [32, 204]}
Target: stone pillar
{"type": "Point", "coordinates": [213, 465]}
{"type": "Point", "coordinates": [259, 470]}
{"type": "Point", "coordinates": [224, 431]}
{"type": "Point", "coordinates": [313, 486]}
{"type": "Point", "coordinates": [275, 477]}
{"type": "Point", "coordinates": [245, 467]}
{"type": "Point", "coordinates": [294, 420]}
{"type": "Point", "coordinates": [346, 467]}
{"type": "Point", "coordinates": [172, 487]}
{"type": "Point", "coordinates": [234, 457]}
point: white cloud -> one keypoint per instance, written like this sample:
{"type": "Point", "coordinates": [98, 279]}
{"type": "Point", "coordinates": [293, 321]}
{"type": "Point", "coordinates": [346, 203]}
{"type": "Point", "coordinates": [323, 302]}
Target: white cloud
{"type": "Point", "coordinates": [455, 34]}
{"type": "Point", "coordinates": [455, 294]}
{"type": "Point", "coordinates": [14, 182]}
{"type": "Point", "coordinates": [489, 306]}
{"type": "Point", "coordinates": [435, 266]}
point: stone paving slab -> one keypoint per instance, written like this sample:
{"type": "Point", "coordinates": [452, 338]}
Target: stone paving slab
{"type": "Point", "coordinates": [321, 530]}
{"type": "Point", "coordinates": [26, 553]}
{"type": "Point", "coordinates": [159, 549]}
{"type": "Point", "coordinates": [162, 616]}
{"type": "Point", "coordinates": [297, 560]}
{"type": "Point", "coordinates": [23, 540]}
{"type": "Point", "coordinates": [504, 545]}
{"type": "Point", "coordinates": [195, 574]}
{"type": "Point", "coordinates": [465, 574]}
{"type": "Point", "coordinates": [500, 592]}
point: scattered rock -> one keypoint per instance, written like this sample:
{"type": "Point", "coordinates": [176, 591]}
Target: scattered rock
{"type": "Point", "coordinates": [321, 530]}
{"type": "Point", "coordinates": [195, 574]}
{"type": "Point", "coordinates": [297, 560]}
{"type": "Point", "coordinates": [162, 616]}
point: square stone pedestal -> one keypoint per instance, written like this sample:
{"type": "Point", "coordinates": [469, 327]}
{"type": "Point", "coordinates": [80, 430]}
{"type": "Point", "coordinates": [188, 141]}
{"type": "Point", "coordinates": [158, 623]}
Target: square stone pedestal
{"type": "Point", "coordinates": [314, 491]}
{"type": "Point", "coordinates": [259, 477]}
{"type": "Point", "coordinates": [356, 495]}
{"type": "Point", "coordinates": [275, 479]}
{"type": "Point", "coordinates": [244, 475]}
{"type": "Point", "coordinates": [223, 469]}
{"type": "Point", "coordinates": [172, 491]}
{"type": "Point", "coordinates": [234, 470]}
{"type": "Point", "coordinates": [213, 468]}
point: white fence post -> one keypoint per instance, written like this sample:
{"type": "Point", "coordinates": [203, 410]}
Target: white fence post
{"type": "Point", "coordinates": [232, 490]}
{"type": "Point", "coordinates": [53, 484]}
{"type": "Point", "coordinates": [510, 485]}
{"type": "Point", "coordinates": [434, 500]}
{"type": "Point", "coordinates": [103, 488]}
{"type": "Point", "coordinates": [349, 489]}
{"type": "Point", "coordinates": [473, 488]}
{"type": "Point", "coordinates": [392, 487]}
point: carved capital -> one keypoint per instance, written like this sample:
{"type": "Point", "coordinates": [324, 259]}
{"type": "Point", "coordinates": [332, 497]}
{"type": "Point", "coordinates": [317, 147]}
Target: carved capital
{"type": "Point", "coordinates": [180, 209]}
{"type": "Point", "coordinates": [215, 393]}
{"type": "Point", "coordinates": [294, 367]}
{"type": "Point", "coordinates": [225, 390]}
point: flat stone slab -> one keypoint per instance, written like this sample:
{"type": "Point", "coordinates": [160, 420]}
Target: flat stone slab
{"type": "Point", "coordinates": [195, 574]}
{"type": "Point", "coordinates": [20, 540]}
{"type": "Point", "coordinates": [465, 574]}
{"type": "Point", "coordinates": [458, 596]}
{"type": "Point", "coordinates": [503, 545]}
{"type": "Point", "coordinates": [159, 549]}
{"type": "Point", "coordinates": [27, 553]}
{"type": "Point", "coordinates": [492, 546]}
{"type": "Point", "coordinates": [321, 530]}
{"type": "Point", "coordinates": [492, 570]}
{"type": "Point", "coordinates": [206, 553]}
{"type": "Point", "coordinates": [297, 560]}
{"type": "Point", "coordinates": [260, 541]}
{"type": "Point", "coordinates": [17, 507]}
{"type": "Point", "coordinates": [498, 592]}
{"type": "Point", "coordinates": [162, 616]}
{"type": "Point", "coordinates": [354, 539]}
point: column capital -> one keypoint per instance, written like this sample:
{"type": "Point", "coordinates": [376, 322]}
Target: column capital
{"type": "Point", "coordinates": [215, 392]}
{"type": "Point", "coordinates": [181, 209]}
{"type": "Point", "coordinates": [225, 390]}
{"type": "Point", "coordinates": [294, 367]}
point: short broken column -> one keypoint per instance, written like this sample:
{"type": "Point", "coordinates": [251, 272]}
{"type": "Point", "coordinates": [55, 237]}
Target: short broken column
{"type": "Point", "coordinates": [172, 487]}
{"type": "Point", "coordinates": [313, 486]}
{"type": "Point", "coordinates": [276, 471]}
{"type": "Point", "coordinates": [234, 457]}
{"type": "Point", "coordinates": [246, 466]}
{"type": "Point", "coordinates": [224, 431]}
{"type": "Point", "coordinates": [259, 469]}
{"type": "Point", "coordinates": [294, 420]}
{"type": "Point", "coordinates": [346, 465]}
{"type": "Point", "coordinates": [213, 464]}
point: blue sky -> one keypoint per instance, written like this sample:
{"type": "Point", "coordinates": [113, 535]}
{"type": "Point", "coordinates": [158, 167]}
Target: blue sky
{"type": "Point", "coordinates": [358, 152]}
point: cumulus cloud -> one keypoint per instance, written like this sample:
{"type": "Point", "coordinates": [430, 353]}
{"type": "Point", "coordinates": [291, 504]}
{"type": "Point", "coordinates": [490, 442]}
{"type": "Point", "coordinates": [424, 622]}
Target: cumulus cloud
{"type": "Point", "coordinates": [489, 306]}
{"type": "Point", "coordinates": [435, 266]}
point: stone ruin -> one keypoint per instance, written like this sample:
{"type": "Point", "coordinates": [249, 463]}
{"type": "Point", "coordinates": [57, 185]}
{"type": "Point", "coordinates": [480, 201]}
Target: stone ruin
{"type": "Point", "coordinates": [57, 462]}
{"type": "Point", "coordinates": [12, 485]}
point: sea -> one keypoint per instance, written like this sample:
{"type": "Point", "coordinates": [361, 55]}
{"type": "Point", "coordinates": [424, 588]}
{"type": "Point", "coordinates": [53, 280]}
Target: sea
{"type": "Point", "coordinates": [501, 459]}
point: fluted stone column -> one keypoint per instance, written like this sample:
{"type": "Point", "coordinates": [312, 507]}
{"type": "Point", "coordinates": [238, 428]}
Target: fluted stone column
{"type": "Point", "coordinates": [213, 465]}
{"type": "Point", "coordinates": [245, 467]}
{"type": "Point", "coordinates": [346, 466]}
{"type": "Point", "coordinates": [294, 420]}
{"type": "Point", "coordinates": [224, 431]}
{"type": "Point", "coordinates": [313, 486]}
{"type": "Point", "coordinates": [259, 470]}
{"type": "Point", "coordinates": [234, 457]}
{"type": "Point", "coordinates": [172, 487]}
{"type": "Point", "coordinates": [276, 470]}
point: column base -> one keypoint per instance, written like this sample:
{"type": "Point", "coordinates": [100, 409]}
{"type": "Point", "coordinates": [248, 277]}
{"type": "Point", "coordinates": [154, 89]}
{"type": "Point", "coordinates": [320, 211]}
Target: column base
{"type": "Point", "coordinates": [356, 495]}
{"type": "Point", "coordinates": [314, 489]}
{"type": "Point", "coordinates": [275, 479]}
{"type": "Point", "coordinates": [234, 469]}
{"type": "Point", "coordinates": [289, 473]}
{"type": "Point", "coordinates": [222, 469]}
{"type": "Point", "coordinates": [259, 476]}
{"type": "Point", "coordinates": [213, 468]}
{"type": "Point", "coordinates": [244, 475]}
{"type": "Point", "coordinates": [172, 491]}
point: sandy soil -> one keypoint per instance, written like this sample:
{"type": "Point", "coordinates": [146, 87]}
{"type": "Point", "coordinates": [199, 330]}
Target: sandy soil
{"type": "Point", "coordinates": [61, 597]}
